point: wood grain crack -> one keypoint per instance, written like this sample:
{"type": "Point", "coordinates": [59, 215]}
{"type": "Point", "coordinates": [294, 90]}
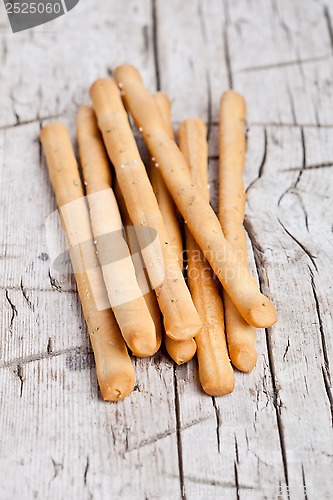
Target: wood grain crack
{"type": "Point", "coordinates": [179, 438]}
{"type": "Point", "coordinates": [303, 167]}
{"type": "Point", "coordinates": [25, 295]}
{"type": "Point", "coordinates": [303, 247]}
{"type": "Point", "coordinates": [293, 188]}
{"type": "Point", "coordinates": [155, 44]}
{"type": "Point", "coordinates": [45, 355]}
{"type": "Point", "coordinates": [218, 424]}
{"type": "Point", "coordinates": [57, 468]}
{"type": "Point", "coordinates": [162, 435]}
{"type": "Point", "coordinates": [226, 44]}
{"type": "Point", "coordinates": [292, 105]}
{"type": "Point", "coordinates": [277, 405]}
{"type": "Point", "coordinates": [304, 484]}
{"type": "Point", "coordinates": [264, 288]}
{"type": "Point", "coordinates": [209, 105]}
{"type": "Point", "coordinates": [264, 156]}
{"type": "Point", "coordinates": [20, 123]}
{"type": "Point", "coordinates": [236, 462]}
{"type": "Point", "coordinates": [321, 326]}
{"type": "Point", "coordinates": [284, 64]}
{"type": "Point", "coordinates": [329, 25]}
{"type": "Point", "coordinates": [13, 309]}
{"type": "Point", "coordinates": [55, 285]}
{"type": "Point", "coordinates": [326, 372]}
{"type": "Point", "coordinates": [85, 473]}
{"type": "Point", "coordinates": [288, 125]}
{"type": "Point", "coordinates": [262, 163]}
{"type": "Point", "coordinates": [19, 373]}
{"type": "Point", "coordinates": [328, 389]}
{"type": "Point", "coordinates": [314, 166]}
{"type": "Point", "coordinates": [49, 347]}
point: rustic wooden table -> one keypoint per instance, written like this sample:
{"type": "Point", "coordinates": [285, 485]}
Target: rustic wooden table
{"type": "Point", "coordinates": [273, 436]}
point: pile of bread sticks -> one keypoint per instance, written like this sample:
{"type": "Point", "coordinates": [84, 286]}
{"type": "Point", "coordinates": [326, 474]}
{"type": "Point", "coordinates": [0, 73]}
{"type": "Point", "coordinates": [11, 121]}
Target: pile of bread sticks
{"type": "Point", "coordinates": [199, 315]}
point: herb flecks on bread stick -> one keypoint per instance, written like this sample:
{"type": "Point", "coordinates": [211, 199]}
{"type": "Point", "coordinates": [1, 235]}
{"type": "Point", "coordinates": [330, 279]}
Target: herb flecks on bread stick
{"type": "Point", "coordinates": [181, 319]}
{"type": "Point", "coordinates": [181, 352]}
{"type": "Point", "coordinates": [240, 335]}
{"type": "Point", "coordinates": [215, 371]}
{"type": "Point", "coordinates": [127, 302]}
{"type": "Point", "coordinates": [236, 278]}
{"type": "Point", "coordinates": [114, 369]}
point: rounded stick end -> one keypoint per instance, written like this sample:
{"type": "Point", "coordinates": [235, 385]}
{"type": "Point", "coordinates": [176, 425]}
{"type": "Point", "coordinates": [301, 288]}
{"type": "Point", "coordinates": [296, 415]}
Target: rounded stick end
{"type": "Point", "coordinates": [53, 129]}
{"type": "Point", "coordinates": [181, 333]}
{"type": "Point", "coordinates": [116, 386]}
{"type": "Point", "coordinates": [220, 387]}
{"type": "Point", "coordinates": [126, 72]}
{"type": "Point", "coordinates": [180, 352]}
{"type": "Point", "coordinates": [262, 314]}
{"type": "Point", "coordinates": [142, 347]}
{"type": "Point", "coordinates": [244, 359]}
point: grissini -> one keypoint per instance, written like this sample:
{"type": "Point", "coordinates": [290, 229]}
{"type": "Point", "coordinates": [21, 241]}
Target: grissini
{"type": "Point", "coordinates": [236, 278]}
{"type": "Point", "coordinates": [181, 319]}
{"type": "Point", "coordinates": [232, 144]}
{"type": "Point", "coordinates": [181, 352]}
{"type": "Point", "coordinates": [140, 271]}
{"type": "Point", "coordinates": [215, 371]}
{"type": "Point", "coordinates": [127, 302]}
{"type": "Point", "coordinates": [114, 369]}
{"type": "Point", "coordinates": [164, 199]}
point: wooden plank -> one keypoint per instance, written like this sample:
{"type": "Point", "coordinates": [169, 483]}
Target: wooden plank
{"type": "Point", "coordinates": [29, 327]}
{"type": "Point", "coordinates": [299, 94]}
{"type": "Point", "coordinates": [192, 65]}
{"type": "Point", "coordinates": [288, 271]}
{"type": "Point", "coordinates": [265, 34]}
{"type": "Point", "coordinates": [226, 453]}
{"type": "Point", "coordinates": [25, 175]}
{"type": "Point", "coordinates": [64, 61]}
{"type": "Point", "coordinates": [273, 51]}
{"type": "Point", "coordinates": [56, 434]}
{"type": "Point", "coordinates": [67, 441]}
{"type": "Point", "coordinates": [168, 439]}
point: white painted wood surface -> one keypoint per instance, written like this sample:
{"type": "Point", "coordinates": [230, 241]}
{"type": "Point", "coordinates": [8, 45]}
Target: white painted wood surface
{"type": "Point", "coordinates": [273, 436]}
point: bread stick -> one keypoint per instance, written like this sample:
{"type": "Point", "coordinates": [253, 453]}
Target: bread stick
{"type": "Point", "coordinates": [181, 319]}
{"type": "Point", "coordinates": [164, 199]}
{"type": "Point", "coordinates": [181, 352]}
{"type": "Point", "coordinates": [215, 371]}
{"type": "Point", "coordinates": [236, 278]}
{"type": "Point", "coordinates": [127, 302]}
{"type": "Point", "coordinates": [240, 335]}
{"type": "Point", "coordinates": [114, 369]}
{"type": "Point", "coordinates": [141, 273]}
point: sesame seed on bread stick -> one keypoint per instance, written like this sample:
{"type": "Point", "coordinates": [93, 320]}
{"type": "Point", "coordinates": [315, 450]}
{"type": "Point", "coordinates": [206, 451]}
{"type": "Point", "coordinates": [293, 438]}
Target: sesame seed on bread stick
{"type": "Point", "coordinates": [114, 369]}
{"type": "Point", "coordinates": [236, 278]}
{"type": "Point", "coordinates": [141, 273]}
{"type": "Point", "coordinates": [181, 319]}
{"type": "Point", "coordinates": [181, 352]}
{"type": "Point", "coordinates": [127, 302]}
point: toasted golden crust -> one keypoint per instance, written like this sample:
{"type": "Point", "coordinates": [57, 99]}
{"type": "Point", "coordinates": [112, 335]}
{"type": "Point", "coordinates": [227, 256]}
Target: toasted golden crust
{"type": "Point", "coordinates": [215, 371]}
{"type": "Point", "coordinates": [240, 335]}
{"type": "Point", "coordinates": [113, 365]}
{"type": "Point", "coordinates": [181, 352]}
{"type": "Point", "coordinates": [180, 317]}
{"type": "Point", "coordinates": [236, 278]}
